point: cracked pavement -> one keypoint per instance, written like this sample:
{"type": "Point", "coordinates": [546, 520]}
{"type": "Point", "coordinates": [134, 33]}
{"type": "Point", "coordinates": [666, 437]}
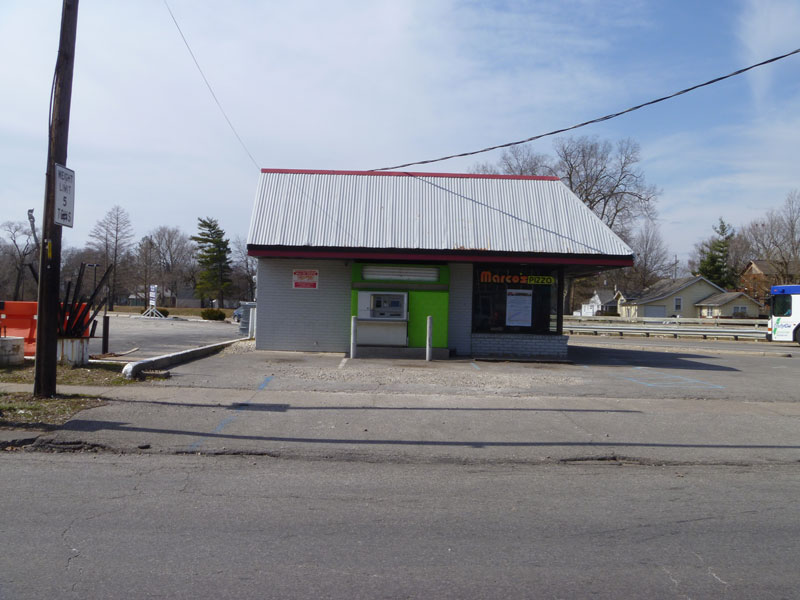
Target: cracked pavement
{"type": "Point", "coordinates": [620, 404]}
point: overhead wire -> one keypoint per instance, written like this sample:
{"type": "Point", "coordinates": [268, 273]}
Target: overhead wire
{"type": "Point", "coordinates": [208, 85]}
{"type": "Point", "coordinates": [593, 121]}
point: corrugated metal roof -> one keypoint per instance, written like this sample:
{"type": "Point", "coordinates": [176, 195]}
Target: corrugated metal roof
{"type": "Point", "coordinates": [424, 211]}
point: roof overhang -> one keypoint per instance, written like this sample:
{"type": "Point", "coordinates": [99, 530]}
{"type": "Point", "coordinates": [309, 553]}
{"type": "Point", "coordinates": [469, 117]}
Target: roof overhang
{"type": "Point", "coordinates": [575, 264]}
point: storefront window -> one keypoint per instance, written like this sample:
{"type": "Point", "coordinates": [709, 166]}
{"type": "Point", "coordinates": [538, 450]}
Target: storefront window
{"type": "Point", "coordinates": [514, 299]}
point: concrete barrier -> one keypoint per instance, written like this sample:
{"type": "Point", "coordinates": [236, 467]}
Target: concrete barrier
{"type": "Point", "coordinates": [73, 351]}
{"type": "Point", "coordinates": [131, 370]}
{"type": "Point", "coordinates": [12, 351]}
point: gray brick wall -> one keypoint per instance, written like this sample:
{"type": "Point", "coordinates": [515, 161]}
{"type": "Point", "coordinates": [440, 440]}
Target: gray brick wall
{"type": "Point", "coordinates": [283, 322]}
{"type": "Point", "coordinates": [459, 326]}
{"type": "Point", "coordinates": [519, 345]}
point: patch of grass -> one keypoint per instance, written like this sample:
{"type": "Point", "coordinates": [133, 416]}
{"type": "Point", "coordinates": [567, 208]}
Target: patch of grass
{"type": "Point", "coordinates": [93, 374]}
{"type": "Point", "coordinates": [21, 410]}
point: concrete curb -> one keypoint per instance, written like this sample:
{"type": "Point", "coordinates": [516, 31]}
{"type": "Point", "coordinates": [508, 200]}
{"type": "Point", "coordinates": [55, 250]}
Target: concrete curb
{"type": "Point", "coordinates": [131, 370]}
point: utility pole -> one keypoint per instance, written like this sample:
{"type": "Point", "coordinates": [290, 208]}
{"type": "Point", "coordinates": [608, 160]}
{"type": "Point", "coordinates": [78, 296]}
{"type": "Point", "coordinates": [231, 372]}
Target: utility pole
{"type": "Point", "coordinates": [44, 384]}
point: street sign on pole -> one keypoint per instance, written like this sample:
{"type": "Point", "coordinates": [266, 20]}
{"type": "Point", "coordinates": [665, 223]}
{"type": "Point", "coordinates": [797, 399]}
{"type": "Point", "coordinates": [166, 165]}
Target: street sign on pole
{"type": "Point", "coordinates": [49, 309]}
{"type": "Point", "coordinates": [65, 196]}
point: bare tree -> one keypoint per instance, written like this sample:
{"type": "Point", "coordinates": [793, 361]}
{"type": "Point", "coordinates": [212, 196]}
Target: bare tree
{"type": "Point", "coordinates": [652, 257]}
{"type": "Point", "coordinates": [111, 238]}
{"type": "Point", "coordinates": [244, 270]}
{"type": "Point", "coordinates": [776, 238]}
{"type": "Point", "coordinates": [146, 267]}
{"type": "Point", "coordinates": [606, 179]}
{"type": "Point", "coordinates": [521, 160]}
{"type": "Point", "coordinates": [21, 252]}
{"type": "Point", "coordinates": [175, 251]}
{"type": "Point", "coordinates": [517, 160]}
{"type": "Point", "coordinates": [71, 259]}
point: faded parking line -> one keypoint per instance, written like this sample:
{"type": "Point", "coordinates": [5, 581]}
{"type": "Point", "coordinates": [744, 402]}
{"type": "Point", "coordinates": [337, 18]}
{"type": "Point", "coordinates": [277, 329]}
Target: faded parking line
{"type": "Point", "coordinates": [231, 418]}
{"type": "Point", "coordinates": [652, 378]}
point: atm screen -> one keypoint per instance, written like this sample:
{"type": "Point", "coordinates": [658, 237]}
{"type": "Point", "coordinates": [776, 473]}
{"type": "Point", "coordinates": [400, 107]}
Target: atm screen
{"type": "Point", "coordinates": [388, 306]}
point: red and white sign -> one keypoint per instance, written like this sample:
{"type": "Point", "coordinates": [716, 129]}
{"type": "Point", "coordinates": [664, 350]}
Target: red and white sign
{"type": "Point", "coordinates": [305, 279]}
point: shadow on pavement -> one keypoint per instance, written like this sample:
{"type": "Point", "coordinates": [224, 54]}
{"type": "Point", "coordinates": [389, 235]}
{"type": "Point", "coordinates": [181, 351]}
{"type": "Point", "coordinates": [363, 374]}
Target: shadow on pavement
{"type": "Point", "coordinates": [282, 408]}
{"type": "Point", "coordinates": [86, 426]}
{"type": "Point", "coordinates": [598, 356]}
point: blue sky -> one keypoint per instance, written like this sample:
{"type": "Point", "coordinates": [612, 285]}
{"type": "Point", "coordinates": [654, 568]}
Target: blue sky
{"type": "Point", "coordinates": [366, 84]}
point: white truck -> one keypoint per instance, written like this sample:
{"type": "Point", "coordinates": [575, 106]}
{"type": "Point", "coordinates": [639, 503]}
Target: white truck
{"type": "Point", "coordinates": [784, 318]}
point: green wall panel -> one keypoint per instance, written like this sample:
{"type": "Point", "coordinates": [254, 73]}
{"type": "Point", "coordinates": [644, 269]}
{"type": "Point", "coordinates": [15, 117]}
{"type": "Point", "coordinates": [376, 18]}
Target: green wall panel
{"type": "Point", "coordinates": [420, 305]}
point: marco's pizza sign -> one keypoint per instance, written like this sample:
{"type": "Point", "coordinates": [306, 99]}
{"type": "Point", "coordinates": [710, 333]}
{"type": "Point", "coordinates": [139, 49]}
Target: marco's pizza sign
{"type": "Point", "coordinates": [489, 276]}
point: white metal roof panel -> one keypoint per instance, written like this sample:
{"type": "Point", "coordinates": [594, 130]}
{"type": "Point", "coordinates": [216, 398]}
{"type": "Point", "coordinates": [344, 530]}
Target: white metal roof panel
{"type": "Point", "coordinates": [423, 211]}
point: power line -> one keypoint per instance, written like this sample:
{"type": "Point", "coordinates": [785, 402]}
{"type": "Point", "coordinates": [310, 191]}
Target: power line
{"type": "Point", "coordinates": [598, 120]}
{"type": "Point", "coordinates": [208, 85]}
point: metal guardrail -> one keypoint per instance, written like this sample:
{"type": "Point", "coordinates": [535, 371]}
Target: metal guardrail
{"type": "Point", "coordinates": [668, 330]}
{"type": "Point", "coordinates": [676, 321]}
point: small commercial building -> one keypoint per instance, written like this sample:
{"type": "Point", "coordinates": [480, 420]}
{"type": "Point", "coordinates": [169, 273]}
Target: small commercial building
{"type": "Point", "coordinates": [486, 256]}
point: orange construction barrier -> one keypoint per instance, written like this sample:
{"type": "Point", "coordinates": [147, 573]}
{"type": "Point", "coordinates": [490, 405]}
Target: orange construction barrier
{"type": "Point", "coordinates": [18, 319]}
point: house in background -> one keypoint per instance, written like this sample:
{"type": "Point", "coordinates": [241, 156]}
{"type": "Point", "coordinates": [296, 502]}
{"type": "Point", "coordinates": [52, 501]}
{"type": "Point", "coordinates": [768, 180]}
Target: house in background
{"type": "Point", "coordinates": [668, 298]}
{"type": "Point", "coordinates": [760, 275]}
{"type": "Point", "coordinates": [603, 301]}
{"type": "Point", "coordinates": [736, 305]}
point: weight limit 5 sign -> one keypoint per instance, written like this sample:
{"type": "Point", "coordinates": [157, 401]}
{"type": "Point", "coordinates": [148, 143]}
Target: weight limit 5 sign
{"type": "Point", "coordinates": [65, 196]}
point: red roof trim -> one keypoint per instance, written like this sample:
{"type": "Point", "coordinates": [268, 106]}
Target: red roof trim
{"type": "Point", "coordinates": [412, 174]}
{"type": "Point", "coordinates": [349, 254]}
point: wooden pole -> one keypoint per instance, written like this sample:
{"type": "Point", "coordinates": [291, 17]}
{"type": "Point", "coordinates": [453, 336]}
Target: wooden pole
{"type": "Point", "coordinates": [44, 384]}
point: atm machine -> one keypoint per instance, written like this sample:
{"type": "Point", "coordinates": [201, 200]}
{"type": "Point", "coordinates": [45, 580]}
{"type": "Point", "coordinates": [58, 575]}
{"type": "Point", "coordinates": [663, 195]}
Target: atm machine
{"type": "Point", "coordinates": [382, 318]}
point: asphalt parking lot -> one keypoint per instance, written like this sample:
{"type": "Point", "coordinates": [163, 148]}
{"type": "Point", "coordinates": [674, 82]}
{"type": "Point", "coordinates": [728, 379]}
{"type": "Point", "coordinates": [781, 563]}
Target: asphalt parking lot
{"type": "Point", "coordinates": [155, 337]}
{"type": "Point", "coordinates": [605, 367]}
{"type": "Point", "coordinates": [611, 372]}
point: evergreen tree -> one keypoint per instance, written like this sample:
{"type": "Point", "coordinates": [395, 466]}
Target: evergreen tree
{"type": "Point", "coordinates": [714, 257]}
{"type": "Point", "coordinates": [213, 257]}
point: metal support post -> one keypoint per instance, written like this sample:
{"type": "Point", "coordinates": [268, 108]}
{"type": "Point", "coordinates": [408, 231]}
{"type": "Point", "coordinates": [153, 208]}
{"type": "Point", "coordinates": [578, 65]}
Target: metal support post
{"type": "Point", "coordinates": [353, 335]}
{"type": "Point", "coordinates": [106, 320]}
{"type": "Point", "coordinates": [251, 326]}
{"type": "Point", "coordinates": [429, 340]}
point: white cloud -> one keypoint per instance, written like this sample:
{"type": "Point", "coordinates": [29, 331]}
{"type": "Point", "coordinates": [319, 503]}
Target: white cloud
{"type": "Point", "coordinates": [319, 85]}
{"type": "Point", "coordinates": [767, 29]}
{"type": "Point", "coordinates": [364, 84]}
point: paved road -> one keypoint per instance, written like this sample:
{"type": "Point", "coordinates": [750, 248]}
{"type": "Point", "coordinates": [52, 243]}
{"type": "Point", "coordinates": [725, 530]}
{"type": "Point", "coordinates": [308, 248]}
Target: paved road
{"type": "Point", "coordinates": [101, 526]}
